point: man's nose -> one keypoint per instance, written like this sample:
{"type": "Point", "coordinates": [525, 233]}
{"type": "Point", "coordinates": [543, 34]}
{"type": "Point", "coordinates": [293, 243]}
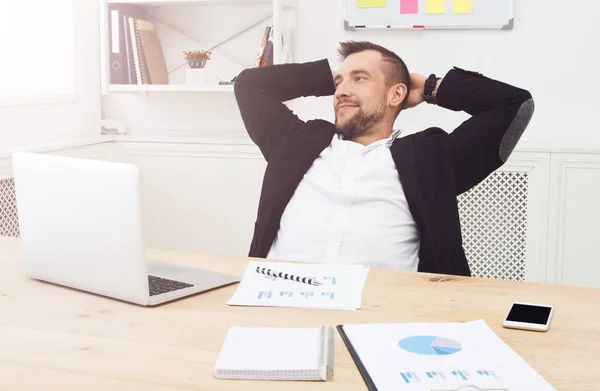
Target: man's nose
{"type": "Point", "coordinates": [342, 91]}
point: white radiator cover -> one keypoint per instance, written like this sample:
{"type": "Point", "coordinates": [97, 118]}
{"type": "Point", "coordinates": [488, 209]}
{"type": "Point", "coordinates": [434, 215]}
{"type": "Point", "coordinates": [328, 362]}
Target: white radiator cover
{"type": "Point", "coordinates": [9, 222]}
{"type": "Point", "coordinates": [494, 226]}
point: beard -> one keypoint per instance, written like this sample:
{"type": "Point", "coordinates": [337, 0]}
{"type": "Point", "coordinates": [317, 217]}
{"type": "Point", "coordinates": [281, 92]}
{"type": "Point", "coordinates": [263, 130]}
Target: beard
{"type": "Point", "coordinates": [360, 124]}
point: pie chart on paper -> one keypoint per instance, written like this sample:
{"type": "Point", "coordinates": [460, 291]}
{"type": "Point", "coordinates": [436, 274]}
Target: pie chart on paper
{"type": "Point", "coordinates": [430, 345]}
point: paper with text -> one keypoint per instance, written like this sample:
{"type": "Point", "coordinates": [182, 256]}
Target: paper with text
{"type": "Point", "coordinates": [342, 286]}
{"type": "Point", "coordinates": [440, 356]}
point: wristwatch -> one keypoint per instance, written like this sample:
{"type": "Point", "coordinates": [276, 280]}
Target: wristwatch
{"type": "Point", "coordinates": [429, 88]}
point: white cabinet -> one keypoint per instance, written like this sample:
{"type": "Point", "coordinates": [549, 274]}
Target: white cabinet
{"type": "Point", "coordinates": [574, 221]}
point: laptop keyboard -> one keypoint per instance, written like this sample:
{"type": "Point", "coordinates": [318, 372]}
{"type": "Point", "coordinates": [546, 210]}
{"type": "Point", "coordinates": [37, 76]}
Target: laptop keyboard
{"type": "Point", "coordinates": [160, 285]}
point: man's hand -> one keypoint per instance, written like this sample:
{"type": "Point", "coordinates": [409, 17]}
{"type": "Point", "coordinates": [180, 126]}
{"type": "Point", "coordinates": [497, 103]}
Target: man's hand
{"type": "Point", "coordinates": [417, 85]}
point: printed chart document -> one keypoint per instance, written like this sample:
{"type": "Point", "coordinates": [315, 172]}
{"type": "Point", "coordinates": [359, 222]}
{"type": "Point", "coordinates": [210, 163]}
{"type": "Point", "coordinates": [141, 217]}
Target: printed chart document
{"type": "Point", "coordinates": [341, 288]}
{"type": "Point", "coordinates": [438, 356]}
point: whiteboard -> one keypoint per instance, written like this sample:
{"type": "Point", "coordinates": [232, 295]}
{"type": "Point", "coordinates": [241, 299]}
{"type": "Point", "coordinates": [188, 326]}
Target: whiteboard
{"type": "Point", "coordinates": [494, 14]}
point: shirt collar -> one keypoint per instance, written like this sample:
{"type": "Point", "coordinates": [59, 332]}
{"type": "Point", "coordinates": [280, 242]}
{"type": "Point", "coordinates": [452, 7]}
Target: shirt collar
{"type": "Point", "coordinates": [389, 141]}
{"type": "Point", "coordinates": [395, 134]}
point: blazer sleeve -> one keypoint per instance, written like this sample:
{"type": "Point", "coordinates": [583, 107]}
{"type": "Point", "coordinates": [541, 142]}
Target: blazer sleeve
{"type": "Point", "coordinates": [260, 93]}
{"type": "Point", "coordinates": [500, 113]}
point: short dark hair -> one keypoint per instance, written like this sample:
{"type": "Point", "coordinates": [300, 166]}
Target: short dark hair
{"type": "Point", "coordinates": [396, 70]}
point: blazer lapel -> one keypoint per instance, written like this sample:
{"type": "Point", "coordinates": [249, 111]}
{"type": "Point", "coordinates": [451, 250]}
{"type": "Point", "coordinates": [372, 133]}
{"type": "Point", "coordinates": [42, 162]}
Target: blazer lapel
{"type": "Point", "coordinates": [403, 153]}
{"type": "Point", "coordinates": [288, 170]}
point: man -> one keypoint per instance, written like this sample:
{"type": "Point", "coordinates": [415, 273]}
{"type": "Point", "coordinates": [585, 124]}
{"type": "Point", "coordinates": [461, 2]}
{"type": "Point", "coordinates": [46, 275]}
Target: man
{"type": "Point", "coordinates": [354, 192]}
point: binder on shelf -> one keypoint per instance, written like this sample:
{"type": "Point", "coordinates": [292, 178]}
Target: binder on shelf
{"type": "Point", "coordinates": [267, 58]}
{"type": "Point", "coordinates": [136, 56]}
{"type": "Point", "coordinates": [119, 45]}
{"type": "Point", "coordinates": [136, 52]}
{"type": "Point", "coordinates": [154, 60]}
{"type": "Point", "coordinates": [263, 44]}
{"type": "Point", "coordinates": [144, 76]}
{"type": "Point", "coordinates": [131, 78]}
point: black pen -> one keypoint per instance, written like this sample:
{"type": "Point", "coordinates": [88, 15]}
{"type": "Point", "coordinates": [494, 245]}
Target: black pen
{"type": "Point", "coordinates": [286, 276]}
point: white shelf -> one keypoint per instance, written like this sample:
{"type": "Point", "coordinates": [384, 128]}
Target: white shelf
{"type": "Point", "coordinates": [284, 22]}
{"type": "Point", "coordinates": [167, 88]}
{"type": "Point", "coordinates": [165, 3]}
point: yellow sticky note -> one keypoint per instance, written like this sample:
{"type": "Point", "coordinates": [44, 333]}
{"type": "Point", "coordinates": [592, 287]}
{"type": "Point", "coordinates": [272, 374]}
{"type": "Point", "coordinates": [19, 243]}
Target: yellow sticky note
{"type": "Point", "coordinates": [370, 3]}
{"type": "Point", "coordinates": [463, 6]}
{"type": "Point", "coordinates": [435, 6]}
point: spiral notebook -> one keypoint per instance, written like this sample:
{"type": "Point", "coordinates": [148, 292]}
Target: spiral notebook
{"type": "Point", "coordinates": [276, 353]}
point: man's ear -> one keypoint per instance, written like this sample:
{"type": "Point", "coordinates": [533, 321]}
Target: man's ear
{"type": "Point", "coordinates": [397, 95]}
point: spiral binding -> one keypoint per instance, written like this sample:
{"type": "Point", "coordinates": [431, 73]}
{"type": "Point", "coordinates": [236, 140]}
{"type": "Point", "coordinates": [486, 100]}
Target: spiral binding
{"type": "Point", "coordinates": [286, 276]}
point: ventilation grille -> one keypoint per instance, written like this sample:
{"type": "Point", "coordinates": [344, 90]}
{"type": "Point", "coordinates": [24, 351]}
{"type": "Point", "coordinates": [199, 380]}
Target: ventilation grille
{"type": "Point", "coordinates": [494, 222]}
{"type": "Point", "coordinates": [9, 222]}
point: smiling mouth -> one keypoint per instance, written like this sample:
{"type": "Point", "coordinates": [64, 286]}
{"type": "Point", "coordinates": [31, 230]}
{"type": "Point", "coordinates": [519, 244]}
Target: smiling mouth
{"type": "Point", "coordinates": [346, 106]}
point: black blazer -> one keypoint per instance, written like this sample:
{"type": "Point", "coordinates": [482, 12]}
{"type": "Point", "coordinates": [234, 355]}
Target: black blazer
{"type": "Point", "coordinates": [434, 166]}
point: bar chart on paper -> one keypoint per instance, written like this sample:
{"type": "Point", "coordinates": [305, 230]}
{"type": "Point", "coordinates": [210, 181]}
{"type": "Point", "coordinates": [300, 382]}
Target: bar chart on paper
{"type": "Point", "coordinates": [266, 295]}
{"type": "Point", "coordinates": [476, 376]}
{"type": "Point", "coordinates": [341, 286]}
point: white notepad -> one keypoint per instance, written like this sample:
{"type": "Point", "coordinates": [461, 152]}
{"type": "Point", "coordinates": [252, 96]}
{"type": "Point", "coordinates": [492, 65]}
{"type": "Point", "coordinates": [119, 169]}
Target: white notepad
{"type": "Point", "coordinates": [273, 353]}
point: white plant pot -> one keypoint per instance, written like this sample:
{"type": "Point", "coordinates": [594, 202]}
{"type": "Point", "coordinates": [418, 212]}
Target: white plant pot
{"type": "Point", "coordinates": [195, 76]}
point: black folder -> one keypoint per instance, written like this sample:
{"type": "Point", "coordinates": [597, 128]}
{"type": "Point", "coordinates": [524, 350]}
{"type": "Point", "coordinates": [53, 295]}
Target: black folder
{"type": "Point", "coordinates": [361, 368]}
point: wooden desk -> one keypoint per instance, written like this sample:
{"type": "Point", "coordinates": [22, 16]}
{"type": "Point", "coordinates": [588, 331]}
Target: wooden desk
{"type": "Point", "coordinates": [54, 338]}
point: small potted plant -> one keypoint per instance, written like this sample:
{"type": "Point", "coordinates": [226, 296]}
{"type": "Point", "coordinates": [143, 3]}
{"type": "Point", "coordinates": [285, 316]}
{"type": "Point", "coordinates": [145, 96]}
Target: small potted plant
{"type": "Point", "coordinates": [196, 59]}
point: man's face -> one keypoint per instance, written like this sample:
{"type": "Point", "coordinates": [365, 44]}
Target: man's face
{"type": "Point", "coordinates": [360, 98]}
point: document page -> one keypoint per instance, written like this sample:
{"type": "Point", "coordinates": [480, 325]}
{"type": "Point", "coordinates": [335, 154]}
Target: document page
{"type": "Point", "coordinates": [440, 356]}
{"type": "Point", "coordinates": [341, 289]}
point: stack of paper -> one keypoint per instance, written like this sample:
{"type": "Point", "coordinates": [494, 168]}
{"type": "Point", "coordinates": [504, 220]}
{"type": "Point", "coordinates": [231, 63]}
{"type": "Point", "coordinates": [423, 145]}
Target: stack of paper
{"type": "Point", "coordinates": [341, 288]}
{"type": "Point", "coordinates": [438, 356]}
{"type": "Point", "coordinates": [274, 353]}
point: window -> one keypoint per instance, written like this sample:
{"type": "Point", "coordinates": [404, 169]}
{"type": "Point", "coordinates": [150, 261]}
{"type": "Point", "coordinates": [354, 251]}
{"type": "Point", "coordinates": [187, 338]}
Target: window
{"type": "Point", "coordinates": [49, 71]}
{"type": "Point", "coordinates": [37, 45]}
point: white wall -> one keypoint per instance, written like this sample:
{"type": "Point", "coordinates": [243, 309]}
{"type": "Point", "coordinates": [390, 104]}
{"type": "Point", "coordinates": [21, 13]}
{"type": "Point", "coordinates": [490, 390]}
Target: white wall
{"type": "Point", "coordinates": [551, 51]}
{"type": "Point", "coordinates": [197, 196]}
{"type": "Point", "coordinates": [71, 117]}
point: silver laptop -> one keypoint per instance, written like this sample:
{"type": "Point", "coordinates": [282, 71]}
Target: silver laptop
{"type": "Point", "coordinates": [80, 226]}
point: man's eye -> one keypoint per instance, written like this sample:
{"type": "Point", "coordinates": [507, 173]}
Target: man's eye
{"type": "Point", "coordinates": [359, 77]}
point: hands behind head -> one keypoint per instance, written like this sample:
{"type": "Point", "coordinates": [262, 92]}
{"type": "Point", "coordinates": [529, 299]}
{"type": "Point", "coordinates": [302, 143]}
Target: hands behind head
{"type": "Point", "coordinates": [417, 86]}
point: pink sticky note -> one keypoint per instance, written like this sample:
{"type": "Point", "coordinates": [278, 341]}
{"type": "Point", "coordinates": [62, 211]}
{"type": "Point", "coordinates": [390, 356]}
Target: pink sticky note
{"type": "Point", "coordinates": [409, 6]}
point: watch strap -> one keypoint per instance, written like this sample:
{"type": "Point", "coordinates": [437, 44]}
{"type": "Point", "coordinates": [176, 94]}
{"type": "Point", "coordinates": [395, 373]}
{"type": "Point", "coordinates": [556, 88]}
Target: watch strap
{"type": "Point", "coordinates": [430, 84]}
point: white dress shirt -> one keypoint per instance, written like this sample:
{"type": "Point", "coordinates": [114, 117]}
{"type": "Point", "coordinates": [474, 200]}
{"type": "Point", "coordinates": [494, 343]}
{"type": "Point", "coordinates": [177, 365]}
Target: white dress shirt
{"type": "Point", "coordinates": [350, 208]}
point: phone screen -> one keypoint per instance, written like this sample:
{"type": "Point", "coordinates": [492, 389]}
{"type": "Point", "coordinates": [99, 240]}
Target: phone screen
{"type": "Point", "coordinates": [528, 314]}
